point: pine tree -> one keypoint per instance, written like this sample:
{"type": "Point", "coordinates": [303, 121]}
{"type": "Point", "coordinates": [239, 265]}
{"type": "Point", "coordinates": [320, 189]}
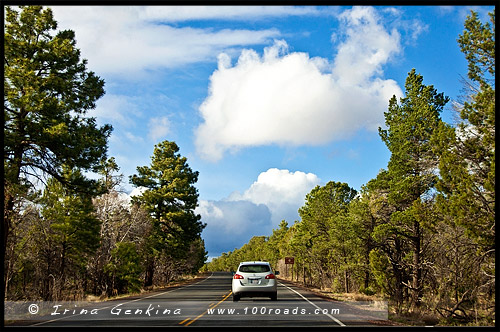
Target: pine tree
{"type": "Point", "coordinates": [124, 267]}
{"type": "Point", "coordinates": [170, 198]}
{"type": "Point", "coordinates": [322, 217]}
{"type": "Point", "coordinates": [74, 228]}
{"type": "Point", "coordinates": [467, 166]}
{"type": "Point", "coordinates": [47, 92]}
{"type": "Point", "coordinates": [466, 187]}
{"type": "Point", "coordinates": [412, 165]}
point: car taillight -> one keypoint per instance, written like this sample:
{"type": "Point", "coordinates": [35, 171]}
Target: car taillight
{"type": "Point", "coordinates": [238, 276]}
{"type": "Point", "coordinates": [270, 276]}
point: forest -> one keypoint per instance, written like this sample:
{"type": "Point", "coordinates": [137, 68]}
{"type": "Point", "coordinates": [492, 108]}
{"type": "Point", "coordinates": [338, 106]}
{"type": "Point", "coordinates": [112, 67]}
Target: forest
{"type": "Point", "coordinates": [66, 235]}
{"type": "Point", "coordinates": [422, 233]}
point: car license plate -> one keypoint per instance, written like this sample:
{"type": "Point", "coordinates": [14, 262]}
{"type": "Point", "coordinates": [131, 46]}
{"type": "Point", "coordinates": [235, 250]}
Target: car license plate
{"type": "Point", "coordinates": [254, 281]}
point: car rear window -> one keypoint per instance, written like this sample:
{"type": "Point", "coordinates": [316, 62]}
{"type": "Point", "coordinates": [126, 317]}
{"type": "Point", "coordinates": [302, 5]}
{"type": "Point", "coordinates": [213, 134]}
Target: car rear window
{"type": "Point", "coordinates": [255, 268]}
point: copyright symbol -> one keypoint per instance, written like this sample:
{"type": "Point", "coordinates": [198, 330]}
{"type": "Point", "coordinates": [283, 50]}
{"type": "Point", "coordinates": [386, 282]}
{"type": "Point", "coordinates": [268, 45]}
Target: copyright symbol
{"type": "Point", "coordinates": [33, 309]}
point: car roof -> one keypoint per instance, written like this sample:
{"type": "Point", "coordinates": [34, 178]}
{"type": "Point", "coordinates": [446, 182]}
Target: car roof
{"type": "Point", "coordinates": [255, 262]}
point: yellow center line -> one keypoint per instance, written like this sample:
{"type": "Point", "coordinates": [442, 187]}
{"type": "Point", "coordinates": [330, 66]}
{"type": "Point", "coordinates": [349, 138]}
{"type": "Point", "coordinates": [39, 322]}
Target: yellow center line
{"type": "Point", "coordinates": [203, 313]}
{"type": "Point", "coordinates": [185, 320]}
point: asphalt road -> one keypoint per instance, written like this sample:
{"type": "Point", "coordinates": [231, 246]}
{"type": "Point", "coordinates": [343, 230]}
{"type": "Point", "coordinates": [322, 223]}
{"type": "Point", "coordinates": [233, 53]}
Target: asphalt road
{"type": "Point", "coordinates": [208, 302]}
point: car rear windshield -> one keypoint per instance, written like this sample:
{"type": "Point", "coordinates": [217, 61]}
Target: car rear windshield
{"type": "Point", "coordinates": [255, 268]}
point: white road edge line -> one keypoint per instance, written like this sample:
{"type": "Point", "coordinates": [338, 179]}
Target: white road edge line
{"type": "Point", "coordinates": [142, 298]}
{"type": "Point", "coordinates": [314, 305]}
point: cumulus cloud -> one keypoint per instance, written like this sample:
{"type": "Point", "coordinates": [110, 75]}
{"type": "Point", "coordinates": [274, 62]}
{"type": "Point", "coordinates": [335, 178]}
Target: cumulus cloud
{"type": "Point", "coordinates": [289, 98]}
{"type": "Point", "coordinates": [282, 191]}
{"type": "Point", "coordinates": [274, 196]}
{"type": "Point", "coordinates": [367, 47]}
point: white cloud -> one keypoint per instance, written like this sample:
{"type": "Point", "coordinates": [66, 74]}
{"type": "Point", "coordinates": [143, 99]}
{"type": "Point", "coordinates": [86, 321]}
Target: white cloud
{"type": "Point", "coordinates": [367, 47]}
{"type": "Point", "coordinates": [126, 41]}
{"type": "Point", "coordinates": [111, 109]}
{"type": "Point", "coordinates": [137, 191]}
{"type": "Point", "coordinates": [274, 196]}
{"type": "Point", "coordinates": [291, 99]}
{"type": "Point", "coordinates": [282, 191]}
{"type": "Point", "coordinates": [209, 210]}
{"type": "Point", "coordinates": [159, 127]}
{"type": "Point", "coordinates": [133, 138]}
{"type": "Point", "coordinates": [241, 13]}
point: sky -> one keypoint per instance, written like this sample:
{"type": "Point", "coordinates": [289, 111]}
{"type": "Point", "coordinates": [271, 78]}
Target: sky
{"type": "Point", "coordinates": [266, 102]}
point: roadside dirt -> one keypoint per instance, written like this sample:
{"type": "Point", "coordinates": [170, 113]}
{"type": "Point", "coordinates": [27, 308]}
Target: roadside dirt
{"type": "Point", "coordinates": [329, 296]}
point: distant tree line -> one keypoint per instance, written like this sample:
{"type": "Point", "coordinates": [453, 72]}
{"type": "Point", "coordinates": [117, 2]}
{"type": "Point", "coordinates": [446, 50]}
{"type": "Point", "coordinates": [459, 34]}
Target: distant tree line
{"type": "Point", "coordinates": [65, 235]}
{"type": "Point", "coordinates": [422, 233]}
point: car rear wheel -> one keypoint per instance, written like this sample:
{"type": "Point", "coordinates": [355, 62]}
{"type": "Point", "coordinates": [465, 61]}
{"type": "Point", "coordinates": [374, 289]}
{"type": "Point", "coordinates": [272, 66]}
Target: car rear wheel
{"type": "Point", "coordinates": [274, 297]}
{"type": "Point", "coordinates": [236, 298]}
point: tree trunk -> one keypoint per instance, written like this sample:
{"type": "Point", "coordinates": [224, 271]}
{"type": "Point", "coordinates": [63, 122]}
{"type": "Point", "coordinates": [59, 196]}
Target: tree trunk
{"type": "Point", "coordinates": [148, 280]}
{"type": "Point", "coordinates": [417, 270]}
{"type": "Point", "coordinates": [7, 218]}
{"type": "Point", "coordinates": [398, 275]}
{"type": "Point", "coordinates": [304, 273]}
{"type": "Point", "coordinates": [398, 291]}
{"type": "Point", "coordinates": [11, 179]}
{"type": "Point", "coordinates": [346, 281]}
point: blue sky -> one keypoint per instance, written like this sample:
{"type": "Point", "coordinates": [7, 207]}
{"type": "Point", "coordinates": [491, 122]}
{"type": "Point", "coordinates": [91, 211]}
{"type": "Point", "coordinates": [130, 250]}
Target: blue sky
{"type": "Point", "coordinates": [265, 102]}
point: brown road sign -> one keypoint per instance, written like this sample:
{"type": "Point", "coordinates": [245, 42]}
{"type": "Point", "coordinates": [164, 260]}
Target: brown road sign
{"type": "Point", "coordinates": [289, 260]}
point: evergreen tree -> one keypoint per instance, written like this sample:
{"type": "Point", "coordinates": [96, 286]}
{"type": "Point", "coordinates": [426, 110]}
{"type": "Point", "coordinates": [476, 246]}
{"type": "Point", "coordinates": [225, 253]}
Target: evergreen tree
{"type": "Point", "coordinates": [124, 268]}
{"type": "Point", "coordinates": [47, 92]}
{"type": "Point", "coordinates": [467, 165]}
{"type": "Point", "coordinates": [322, 216]}
{"type": "Point", "coordinates": [171, 198]}
{"type": "Point", "coordinates": [275, 246]}
{"type": "Point", "coordinates": [466, 187]}
{"type": "Point", "coordinates": [74, 229]}
{"type": "Point", "coordinates": [362, 217]}
{"type": "Point", "coordinates": [412, 165]}
{"type": "Point", "coordinates": [387, 262]}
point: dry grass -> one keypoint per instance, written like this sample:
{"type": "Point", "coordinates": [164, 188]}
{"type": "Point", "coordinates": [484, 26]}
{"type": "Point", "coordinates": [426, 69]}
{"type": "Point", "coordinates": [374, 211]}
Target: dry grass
{"type": "Point", "coordinates": [184, 280]}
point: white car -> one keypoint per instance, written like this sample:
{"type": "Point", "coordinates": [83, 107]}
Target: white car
{"type": "Point", "coordinates": [255, 279]}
